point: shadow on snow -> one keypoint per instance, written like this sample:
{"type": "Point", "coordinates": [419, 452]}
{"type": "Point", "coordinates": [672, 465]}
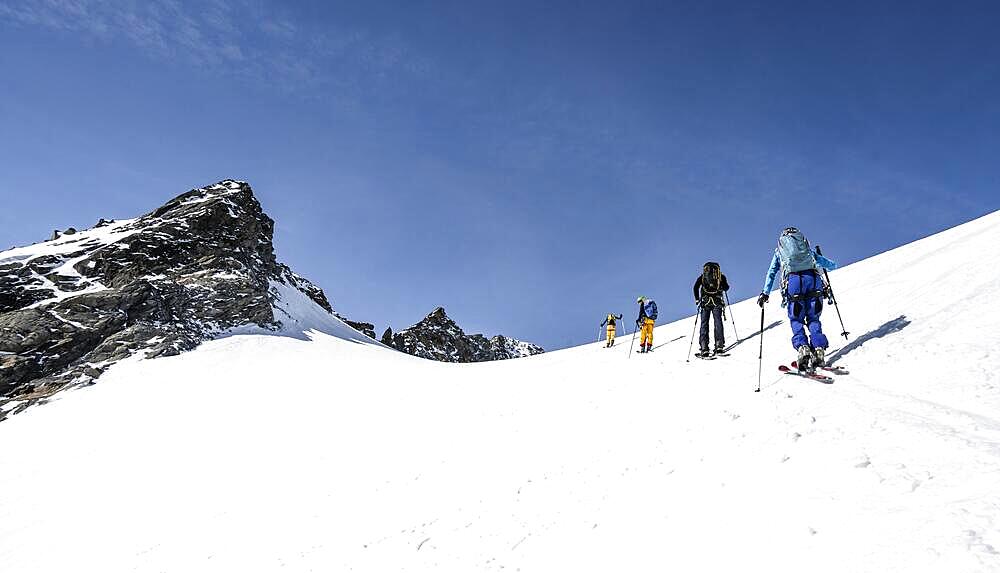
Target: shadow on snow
{"type": "Point", "coordinates": [668, 342]}
{"type": "Point", "coordinates": [894, 325]}
{"type": "Point", "coordinates": [742, 340]}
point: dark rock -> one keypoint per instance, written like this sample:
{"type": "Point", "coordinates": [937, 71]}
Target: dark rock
{"type": "Point", "coordinates": [56, 233]}
{"type": "Point", "coordinates": [438, 337]}
{"type": "Point", "coordinates": [365, 328]}
{"type": "Point", "coordinates": [504, 347]}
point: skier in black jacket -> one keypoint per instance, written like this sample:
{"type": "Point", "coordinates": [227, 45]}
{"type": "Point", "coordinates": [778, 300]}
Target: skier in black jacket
{"type": "Point", "coordinates": [610, 321]}
{"type": "Point", "coordinates": [708, 295]}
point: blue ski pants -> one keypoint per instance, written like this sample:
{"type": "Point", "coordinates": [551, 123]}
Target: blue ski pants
{"type": "Point", "coordinates": [803, 314]}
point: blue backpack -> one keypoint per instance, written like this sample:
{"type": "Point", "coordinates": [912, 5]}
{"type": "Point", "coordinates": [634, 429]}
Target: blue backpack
{"type": "Point", "coordinates": [794, 252]}
{"type": "Point", "coordinates": [651, 309]}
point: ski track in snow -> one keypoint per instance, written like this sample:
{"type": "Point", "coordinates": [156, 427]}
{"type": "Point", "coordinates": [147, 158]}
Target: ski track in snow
{"type": "Point", "coordinates": [314, 448]}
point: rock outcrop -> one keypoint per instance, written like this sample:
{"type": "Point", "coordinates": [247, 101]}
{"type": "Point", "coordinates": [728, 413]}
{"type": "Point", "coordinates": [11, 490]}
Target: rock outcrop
{"type": "Point", "coordinates": [438, 337]}
{"type": "Point", "coordinates": [366, 328]}
{"type": "Point", "coordinates": [160, 284]}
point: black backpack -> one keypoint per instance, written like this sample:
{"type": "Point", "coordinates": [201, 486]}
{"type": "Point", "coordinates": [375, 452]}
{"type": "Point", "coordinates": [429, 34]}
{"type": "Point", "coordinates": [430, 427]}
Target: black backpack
{"type": "Point", "coordinates": [711, 279]}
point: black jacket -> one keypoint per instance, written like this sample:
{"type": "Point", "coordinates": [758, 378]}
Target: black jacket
{"type": "Point", "coordinates": [613, 318]}
{"type": "Point", "coordinates": [707, 300]}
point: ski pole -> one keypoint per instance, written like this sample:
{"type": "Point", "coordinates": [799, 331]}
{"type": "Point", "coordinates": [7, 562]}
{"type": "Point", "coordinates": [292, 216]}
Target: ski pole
{"type": "Point", "coordinates": [732, 319]}
{"type": "Point", "coordinates": [633, 343]}
{"type": "Point", "coordinates": [826, 276]}
{"type": "Point", "coordinates": [697, 314]}
{"type": "Point", "coordinates": [760, 355]}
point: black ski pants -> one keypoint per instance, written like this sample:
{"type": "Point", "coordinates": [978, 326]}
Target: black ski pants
{"type": "Point", "coordinates": [715, 312]}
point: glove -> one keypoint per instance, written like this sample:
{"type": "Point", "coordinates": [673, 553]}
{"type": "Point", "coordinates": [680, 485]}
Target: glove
{"type": "Point", "coordinates": [638, 322]}
{"type": "Point", "coordinates": [762, 299]}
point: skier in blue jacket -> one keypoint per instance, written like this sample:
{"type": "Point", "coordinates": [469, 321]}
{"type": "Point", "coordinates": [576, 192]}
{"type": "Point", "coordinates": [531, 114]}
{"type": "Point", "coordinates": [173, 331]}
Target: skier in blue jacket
{"type": "Point", "coordinates": [645, 323]}
{"type": "Point", "coordinates": [802, 289]}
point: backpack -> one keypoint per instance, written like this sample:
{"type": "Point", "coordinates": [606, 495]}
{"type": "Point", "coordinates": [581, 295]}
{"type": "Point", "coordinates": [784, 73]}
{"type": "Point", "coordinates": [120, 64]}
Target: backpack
{"type": "Point", "coordinates": [711, 278]}
{"type": "Point", "coordinates": [611, 319]}
{"type": "Point", "coordinates": [795, 253]}
{"type": "Point", "coordinates": [651, 309]}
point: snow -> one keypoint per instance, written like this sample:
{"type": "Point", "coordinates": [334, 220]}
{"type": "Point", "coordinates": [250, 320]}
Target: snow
{"type": "Point", "coordinates": [301, 317]}
{"type": "Point", "coordinates": [71, 243]}
{"type": "Point", "coordinates": [66, 320]}
{"type": "Point", "coordinates": [316, 449]}
{"type": "Point", "coordinates": [86, 242]}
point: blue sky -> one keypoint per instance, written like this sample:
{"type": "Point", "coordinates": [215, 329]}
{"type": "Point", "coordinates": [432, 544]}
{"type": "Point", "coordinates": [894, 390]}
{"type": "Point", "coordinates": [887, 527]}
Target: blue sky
{"type": "Point", "coordinates": [527, 167]}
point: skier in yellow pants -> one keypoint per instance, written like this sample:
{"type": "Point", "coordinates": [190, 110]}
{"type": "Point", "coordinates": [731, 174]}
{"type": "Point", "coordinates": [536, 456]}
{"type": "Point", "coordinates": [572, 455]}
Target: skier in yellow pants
{"type": "Point", "coordinates": [645, 322]}
{"type": "Point", "coordinates": [610, 321]}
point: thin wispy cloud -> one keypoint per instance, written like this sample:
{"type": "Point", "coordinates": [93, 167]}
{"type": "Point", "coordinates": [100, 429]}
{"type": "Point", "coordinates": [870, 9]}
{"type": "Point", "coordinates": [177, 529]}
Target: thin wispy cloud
{"type": "Point", "coordinates": [240, 38]}
{"type": "Point", "coordinates": [279, 28]}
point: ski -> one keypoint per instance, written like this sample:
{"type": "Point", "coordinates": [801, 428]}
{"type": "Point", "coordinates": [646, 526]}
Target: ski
{"type": "Point", "coordinates": [838, 370]}
{"type": "Point", "coordinates": [705, 356]}
{"type": "Point", "coordinates": [810, 375]}
{"type": "Point", "coordinates": [721, 354]}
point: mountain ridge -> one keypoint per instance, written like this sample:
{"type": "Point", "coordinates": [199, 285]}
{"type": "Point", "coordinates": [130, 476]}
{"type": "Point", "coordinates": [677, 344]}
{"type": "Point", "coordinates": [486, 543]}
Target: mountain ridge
{"type": "Point", "coordinates": [201, 264]}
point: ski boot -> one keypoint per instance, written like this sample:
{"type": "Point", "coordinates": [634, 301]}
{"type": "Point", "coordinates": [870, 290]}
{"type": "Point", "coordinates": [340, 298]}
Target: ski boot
{"type": "Point", "coordinates": [702, 353]}
{"type": "Point", "coordinates": [805, 360]}
{"type": "Point", "coordinates": [819, 357]}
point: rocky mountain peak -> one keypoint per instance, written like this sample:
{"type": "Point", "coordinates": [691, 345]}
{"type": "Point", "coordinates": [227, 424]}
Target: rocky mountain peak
{"type": "Point", "coordinates": [159, 284]}
{"type": "Point", "coordinates": [438, 337]}
{"type": "Point", "coordinates": [438, 319]}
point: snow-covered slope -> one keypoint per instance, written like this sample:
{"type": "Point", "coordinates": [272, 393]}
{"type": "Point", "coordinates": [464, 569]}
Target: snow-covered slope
{"type": "Point", "coordinates": [311, 452]}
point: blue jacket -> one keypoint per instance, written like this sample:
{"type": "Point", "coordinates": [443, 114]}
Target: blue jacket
{"type": "Point", "coordinates": [772, 271]}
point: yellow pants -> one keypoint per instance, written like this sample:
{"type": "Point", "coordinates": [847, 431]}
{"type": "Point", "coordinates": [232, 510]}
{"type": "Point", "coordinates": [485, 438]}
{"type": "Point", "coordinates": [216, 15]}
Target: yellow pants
{"type": "Point", "coordinates": [646, 336]}
{"type": "Point", "coordinates": [611, 334]}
